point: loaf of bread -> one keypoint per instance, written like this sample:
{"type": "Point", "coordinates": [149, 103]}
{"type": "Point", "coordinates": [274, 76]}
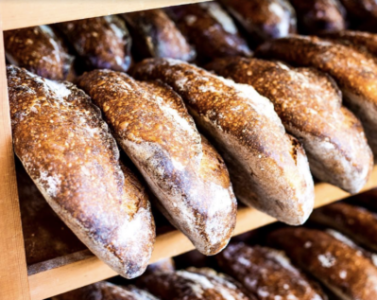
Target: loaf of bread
{"type": "Point", "coordinates": [269, 168]}
{"type": "Point", "coordinates": [39, 50]}
{"type": "Point", "coordinates": [186, 174]}
{"type": "Point", "coordinates": [267, 273]}
{"type": "Point", "coordinates": [210, 29]}
{"type": "Point", "coordinates": [68, 151]}
{"type": "Point", "coordinates": [318, 16]}
{"type": "Point", "coordinates": [360, 10]}
{"type": "Point", "coordinates": [106, 291]}
{"type": "Point", "coordinates": [367, 199]}
{"type": "Point", "coordinates": [309, 104]}
{"type": "Point", "coordinates": [355, 73]}
{"type": "Point", "coordinates": [263, 19]}
{"type": "Point", "coordinates": [154, 34]}
{"type": "Point", "coordinates": [193, 284]}
{"type": "Point", "coordinates": [356, 222]}
{"type": "Point", "coordinates": [338, 266]}
{"type": "Point", "coordinates": [102, 43]}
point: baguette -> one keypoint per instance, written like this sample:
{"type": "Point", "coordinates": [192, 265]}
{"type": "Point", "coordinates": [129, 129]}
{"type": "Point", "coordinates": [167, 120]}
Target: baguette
{"type": "Point", "coordinates": [106, 291]}
{"type": "Point", "coordinates": [39, 50]}
{"type": "Point", "coordinates": [185, 173]}
{"type": "Point", "coordinates": [210, 23]}
{"type": "Point", "coordinates": [355, 73]}
{"type": "Point", "coordinates": [269, 168]}
{"type": "Point", "coordinates": [338, 266]}
{"type": "Point", "coordinates": [155, 35]}
{"type": "Point", "coordinates": [309, 105]}
{"type": "Point", "coordinates": [73, 159]}
{"type": "Point", "coordinates": [263, 19]}
{"type": "Point", "coordinates": [267, 273]}
{"type": "Point", "coordinates": [103, 43]}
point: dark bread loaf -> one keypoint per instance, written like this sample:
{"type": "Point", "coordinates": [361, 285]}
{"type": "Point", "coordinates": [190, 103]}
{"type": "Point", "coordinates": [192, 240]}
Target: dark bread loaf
{"type": "Point", "coordinates": [106, 291]}
{"type": "Point", "coordinates": [103, 42]}
{"type": "Point", "coordinates": [338, 266]}
{"type": "Point", "coordinates": [269, 168]}
{"type": "Point", "coordinates": [39, 50]}
{"type": "Point", "coordinates": [186, 174]}
{"type": "Point", "coordinates": [355, 73]}
{"type": "Point", "coordinates": [267, 273]}
{"type": "Point", "coordinates": [210, 29]}
{"type": "Point", "coordinates": [360, 10]}
{"type": "Point", "coordinates": [309, 104]}
{"type": "Point", "coordinates": [263, 19]}
{"type": "Point", "coordinates": [154, 34]}
{"type": "Point", "coordinates": [68, 151]}
{"type": "Point", "coordinates": [317, 16]}
{"type": "Point", "coordinates": [193, 284]}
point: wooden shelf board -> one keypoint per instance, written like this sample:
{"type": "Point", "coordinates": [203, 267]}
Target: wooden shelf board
{"type": "Point", "coordinates": [89, 270]}
{"type": "Point", "coordinates": [20, 13]}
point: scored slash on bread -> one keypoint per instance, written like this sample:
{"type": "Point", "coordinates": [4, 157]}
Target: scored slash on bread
{"type": "Point", "coordinates": [269, 168]}
{"type": "Point", "coordinates": [68, 151]}
{"type": "Point", "coordinates": [310, 106]}
{"type": "Point", "coordinates": [184, 171]}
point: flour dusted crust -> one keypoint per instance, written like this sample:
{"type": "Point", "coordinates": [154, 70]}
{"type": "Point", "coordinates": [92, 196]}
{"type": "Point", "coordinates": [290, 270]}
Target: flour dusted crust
{"type": "Point", "coordinates": [39, 50]}
{"type": "Point", "coordinates": [156, 35]}
{"type": "Point", "coordinates": [267, 273]}
{"type": "Point", "coordinates": [184, 171]}
{"type": "Point", "coordinates": [210, 29]}
{"type": "Point", "coordinates": [310, 106]}
{"type": "Point", "coordinates": [106, 291]}
{"type": "Point", "coordinates": [263, 19]}
{"type": "Point", "coordinates": [73, 159]}
{"type": "Point", "coordinates": [355, 73]}
{"type": "Point", "coordinates": [193, 284]}
{"type": "Point", "coordinates": [343, 269]}
{"type": "Point", "coordinates": [103, 42]}
{"type": "Point", "coordinates": [269, 168]}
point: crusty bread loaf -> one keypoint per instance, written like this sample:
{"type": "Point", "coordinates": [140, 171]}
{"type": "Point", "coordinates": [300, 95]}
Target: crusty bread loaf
{"type": "Point", "coordinates": [267, 273]}
{"type": "Point", "coordinates": [210, 29]}
{"type": "Point", "coordinates": [309, 105]}
{"type": "Point", "coordinates": [355, 222]}
{"type": "Point", "coordinates": [106, 291]}
{"type": "Point", "coordinates": [338, 266]}
{"type": "Point", "coordinates": [263, 19]}
{"type": "Point", "coordinates": [154, 34]}
{"type": "Point", "coordinates": [103, 42]}
{"type": "Point", "coordinates": [318, 16]}
{"type": "Point", "coordinates": [39, 50]}
{"type": "Point", "coordinates": [185, 173]}
{"type": "Point", "coordinates": [360, 10]}
{"type": "Point", "coordinates": [269, 168]}
{"type": "Point", "coordinates": [355, 73]}
{"type": "Point", "coordinates": [73, 159]}
{"type": "Point", "coordinates": [193, 284]}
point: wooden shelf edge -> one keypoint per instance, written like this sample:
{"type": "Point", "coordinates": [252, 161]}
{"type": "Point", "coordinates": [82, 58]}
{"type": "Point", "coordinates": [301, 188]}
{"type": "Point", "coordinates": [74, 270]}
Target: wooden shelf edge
{"type": "Point", "coordinates": [41, 12]}
{"type": "Point", "coordinates": [91, 269]}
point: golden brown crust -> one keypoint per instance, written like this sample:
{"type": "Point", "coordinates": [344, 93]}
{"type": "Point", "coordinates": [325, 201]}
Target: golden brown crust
{"type": "Point", "coordinates": [263, 19]}
{"type": "Point", "coordinates": [70, 154]}
{"type": "Point", "coordinates": [210, 29]}
{"type": "Point", "coordinates": [39, 50]}
{"type": "Point", "coordinates": [186, 174]}
{"type": "Point", "coordinates": [193, 284]}
{"type": "Point", "coordinates": [269, 168]}
{"type": "Point", "coordinates": [355, 73]}
{"type": "Point", "coordinates": [103, 42]}
{"type": "Point", "coordinates": [309, 105]}
{"type": "Point", "coordinates": [338, 266]}
{"type": "Point", "coordinates": [267, 273]}
{"type": "Point", "coordinates": [155, 35]}
{"type": "Point", "coordinates": [318, 16]}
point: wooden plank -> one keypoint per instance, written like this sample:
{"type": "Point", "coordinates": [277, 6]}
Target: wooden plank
{"type": "Point", "coordinates": [17, 14]}
{"type": "Point", "coordinates": [90, 270]}
{"type": "Point", "coordinates": [13, 269]}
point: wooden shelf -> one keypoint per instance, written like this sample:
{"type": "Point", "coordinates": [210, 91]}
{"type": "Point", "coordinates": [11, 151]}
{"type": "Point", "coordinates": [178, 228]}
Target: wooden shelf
{"type": "Point", "coordinates": [90, 269]}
